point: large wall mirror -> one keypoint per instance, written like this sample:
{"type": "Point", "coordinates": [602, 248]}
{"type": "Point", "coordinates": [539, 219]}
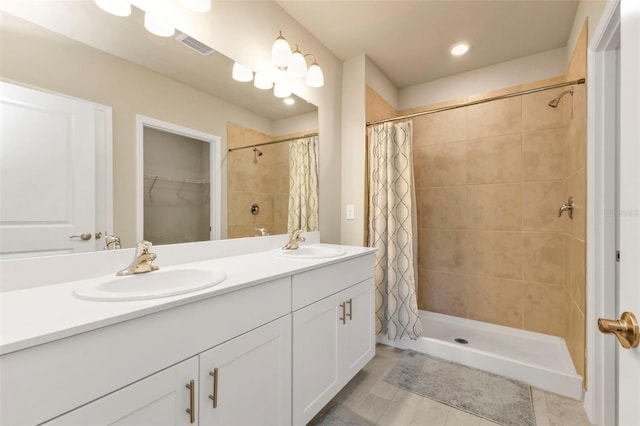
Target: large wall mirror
{"type": "Point", "coordinates": [118, 71]}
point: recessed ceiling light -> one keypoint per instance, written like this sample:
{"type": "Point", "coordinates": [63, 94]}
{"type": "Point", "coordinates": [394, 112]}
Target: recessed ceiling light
{"type": "Point", "coordinates": [289, 101]}
{"type": "Point", "coordinates": [459, 49]}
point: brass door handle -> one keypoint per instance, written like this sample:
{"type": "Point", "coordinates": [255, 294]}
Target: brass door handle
{"type": "Point", "coordinates": [85, 236]}
{"type": "Point", "coordinates": [192, 401]}
{"type": "Point", "coordinates": [626, 329]}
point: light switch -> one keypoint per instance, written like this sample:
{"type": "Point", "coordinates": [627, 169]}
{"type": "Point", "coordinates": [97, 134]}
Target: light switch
{"type": "Point", "coordinates": [351, 212]}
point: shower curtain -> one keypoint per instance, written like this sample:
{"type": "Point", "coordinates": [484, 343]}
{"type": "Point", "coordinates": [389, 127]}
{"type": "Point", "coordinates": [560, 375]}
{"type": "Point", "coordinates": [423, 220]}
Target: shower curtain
{"type": "Point", "coordinates": [303, 185]}
{"type": "Point", "coordinates": [392, 221]}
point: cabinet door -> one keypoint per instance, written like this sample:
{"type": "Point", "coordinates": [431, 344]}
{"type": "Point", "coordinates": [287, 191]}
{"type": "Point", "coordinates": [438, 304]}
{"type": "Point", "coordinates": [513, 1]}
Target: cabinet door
{"type": "Point", "coordinates": [358, 336]}
{"type": "Point", "coordinates": [248, 378]}
{"type": "Point", "coordinates": [160, 399]}
{"type": "Point", "coordinates": [316, 354]}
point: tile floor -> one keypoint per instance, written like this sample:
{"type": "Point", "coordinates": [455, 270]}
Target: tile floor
{"type": "Point", "coordinates": [368, 400]}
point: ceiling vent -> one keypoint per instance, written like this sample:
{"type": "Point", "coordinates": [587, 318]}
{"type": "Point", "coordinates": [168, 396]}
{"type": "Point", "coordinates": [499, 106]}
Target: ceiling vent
{"type": "Point", "coordinates": [194, 44]}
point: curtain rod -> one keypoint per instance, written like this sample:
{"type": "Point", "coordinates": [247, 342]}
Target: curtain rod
{"type": "Point", "coordinates": [272, 142]}
{"type": "Point", "coordinates": [480, 101]}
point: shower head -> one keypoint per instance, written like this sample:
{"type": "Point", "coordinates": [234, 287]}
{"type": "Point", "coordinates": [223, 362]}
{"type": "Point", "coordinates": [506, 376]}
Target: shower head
{"type": "Point", "coordinates": [257, 151]}
{"type": "Point", "coordinates": [553, 103]}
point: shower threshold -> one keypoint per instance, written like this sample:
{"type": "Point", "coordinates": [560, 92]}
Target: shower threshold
{"type": "Point", "coordinates": [540, 360]}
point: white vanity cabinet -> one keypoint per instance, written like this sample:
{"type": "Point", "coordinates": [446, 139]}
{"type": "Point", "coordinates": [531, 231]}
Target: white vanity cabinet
{"type": "Point", "coordinates": [247, 381]}
{"type": "Point", "coordinates": [333, 337]}
{"type": "Point", "coordinates": [161, 399]}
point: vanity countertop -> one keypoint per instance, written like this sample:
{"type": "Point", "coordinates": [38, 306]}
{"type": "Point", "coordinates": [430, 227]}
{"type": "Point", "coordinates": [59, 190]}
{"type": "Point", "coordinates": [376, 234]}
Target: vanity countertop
{"type": "Point", "coordinates": [40, 315]}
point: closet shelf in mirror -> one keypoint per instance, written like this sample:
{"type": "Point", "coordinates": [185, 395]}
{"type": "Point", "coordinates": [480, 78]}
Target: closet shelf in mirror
{"type": "Point", "coordinates": [174, 179]}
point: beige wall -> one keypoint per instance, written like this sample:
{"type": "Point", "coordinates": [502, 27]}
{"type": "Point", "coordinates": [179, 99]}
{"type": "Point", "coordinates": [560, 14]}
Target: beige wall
{"type": "Point", "coordinates": [265, 182]}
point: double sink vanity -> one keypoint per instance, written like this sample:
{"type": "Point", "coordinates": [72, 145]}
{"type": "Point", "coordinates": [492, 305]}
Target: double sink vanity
{"type": "Point", "coordinates": [235, 336]}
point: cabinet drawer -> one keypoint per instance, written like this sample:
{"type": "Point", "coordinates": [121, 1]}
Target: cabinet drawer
{"type": "Point", "coordinates": [311, 286]}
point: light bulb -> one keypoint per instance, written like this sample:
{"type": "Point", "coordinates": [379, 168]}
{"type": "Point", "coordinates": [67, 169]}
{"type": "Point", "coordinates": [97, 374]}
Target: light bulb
{"type": "Point", "coordinates": [115, 7]}
{"type": "Point", "coordinates": [197, 5]}
{"type": "Point", "coordinates": [297, 66]}
{"type": "Point", "coordinates": [241, 72]}
{"type": "Point", "coordinates": [281, 91]}
{"type": "Point", "coordinates": [157, 26]}
{"type": "Point", "coordinates": [280, 52]}
{"type": "Point", "coordinates": [262, 81]}
{"type": "Point", "coordinates": [459, 49]}
{"type": "Point", "coordinates": [315, 78]}
{"type": "Point", "coordinates": [289, 101]}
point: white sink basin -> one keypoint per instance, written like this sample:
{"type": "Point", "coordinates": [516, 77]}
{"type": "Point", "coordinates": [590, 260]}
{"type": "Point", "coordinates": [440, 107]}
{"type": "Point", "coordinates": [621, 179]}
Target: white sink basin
{"type": "Point", "coordinates": [149, 285]}
{"type": "Point", "coordinates": [310, 252]}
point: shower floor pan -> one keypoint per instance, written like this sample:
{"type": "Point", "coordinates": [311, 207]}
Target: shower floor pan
{"type": "Point", "coordinates": [537, 359]}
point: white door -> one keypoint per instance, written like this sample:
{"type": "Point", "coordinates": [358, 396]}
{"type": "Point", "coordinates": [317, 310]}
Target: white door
{"type": "Point", "coordinates": [247, 381]}
{"type": "Point", "coordinates": [47, 177]}
{"type": "Point", "coordinates": [160, 400]}
{"type": "Point", "coordinates": [358, 340]}
{"type": "Point", "coordinates": [629, 222]}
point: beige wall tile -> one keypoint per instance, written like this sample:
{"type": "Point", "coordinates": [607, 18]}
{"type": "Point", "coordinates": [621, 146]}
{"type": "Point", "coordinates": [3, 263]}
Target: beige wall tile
{"type": "Point", "coordinates": [578, 187]}
{"type": "Point", "coordinates": [443, 292]}
{"type": "Point", "coordinates": [538, 115]}
{"type": "Point", "coordinates": [443, 207]}
{"type": "Point", "coordinates": [495, 160]}
{"type": "Point", "coordinates": [238, 207]}
{"type": "Point", "coordinates": [440, 165]}
{"type": "Point", "coordinates": [541, 201]}
{"type": "Point", "coordinates": [544, 308]}
{"type": "Point", "coordinates": [578, 285]}
{"type": "Point", "coordinates": [576, 337]}
{"type": "Point", "coordinates": [441, 127]}
{"type": "Point", "coordinates": [498, 301]}
{"type": "Point", "coordinates": [543, 257]}
{"type": "Point", "coordinates": [377, 107]}
{"type": "Point", "coordinates": [496, 118]}
{"type": "Point", "coordinates": [442, 250]}
{"type": "Point", "coordinates": [494, 254]}
{"type": "Point", "coordinates": [495, 207]}
{"type": "Point", "coordinates": [543, 154]}
{"type": "Point", "coordinates": [566, 282]}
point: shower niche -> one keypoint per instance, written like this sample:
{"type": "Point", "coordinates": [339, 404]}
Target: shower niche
{"type": "Point", "coordinates": [178, 186]}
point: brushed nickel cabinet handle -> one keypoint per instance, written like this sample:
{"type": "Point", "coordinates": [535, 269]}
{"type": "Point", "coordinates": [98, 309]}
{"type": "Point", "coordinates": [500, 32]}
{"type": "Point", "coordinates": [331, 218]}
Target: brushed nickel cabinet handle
{"type": "Point", "coordinates": [192, 401]}
{"type": "Point", "coordinates": [344, 313]}
{"type": "Point", "coordinates": [214, 395]}
{"type": "Point", "coordinates": [350, 314]}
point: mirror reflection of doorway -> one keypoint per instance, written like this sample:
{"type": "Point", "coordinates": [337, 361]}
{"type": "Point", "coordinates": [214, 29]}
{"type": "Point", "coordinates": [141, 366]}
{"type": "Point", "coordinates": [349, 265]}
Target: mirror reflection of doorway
{"type": "Point", "coordinates": [179, 203]}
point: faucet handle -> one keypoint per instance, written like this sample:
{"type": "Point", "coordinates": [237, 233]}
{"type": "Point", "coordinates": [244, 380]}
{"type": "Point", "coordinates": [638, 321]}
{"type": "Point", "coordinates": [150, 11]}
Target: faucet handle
{"type": "Point", "coordinates": [143, 247]}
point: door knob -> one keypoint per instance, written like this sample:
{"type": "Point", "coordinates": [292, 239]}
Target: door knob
{"type": "Point", "coordinates": [85, 236]}
{"type": "Point", "coordinates": [626, 329]}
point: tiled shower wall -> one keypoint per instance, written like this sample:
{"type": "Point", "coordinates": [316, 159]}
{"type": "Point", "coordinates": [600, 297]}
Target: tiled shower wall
{"type": "Point", "coordinates": [264, 182]}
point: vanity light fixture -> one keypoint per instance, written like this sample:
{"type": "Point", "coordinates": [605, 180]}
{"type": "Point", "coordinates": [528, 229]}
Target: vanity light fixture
{"type": "Point", "coordinates": [115, 7]}
{"type": "Point", "coordinates": [262, 81]}
{"type": "Point", "coordinates": [289, 101]}
{"type": "Point", "coordinates": [459, 49]}
{"type": "Point", "coordinates": [241, 72]}
{"type": "Point", "coordinates": [295, 64]}
{"type": "Point", "coordinates": [281, 90]}
{"type": "Point", "coordinates": [155, 25]}
{"type": "Point", "coordinates": [200, 6]}
{"type": "Point", "coordinates": [280, 52]}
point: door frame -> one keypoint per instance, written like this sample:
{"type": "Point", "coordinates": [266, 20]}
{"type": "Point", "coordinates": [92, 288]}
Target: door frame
{"type": "Point", "coordinates": [215, 198]}
{"type": "Point", "coordinates": [600, 400]}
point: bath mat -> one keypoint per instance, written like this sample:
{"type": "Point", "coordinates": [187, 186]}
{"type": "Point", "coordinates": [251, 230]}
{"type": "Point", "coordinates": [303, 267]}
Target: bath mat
{"type": "Point", "coordinates": [496, 398]}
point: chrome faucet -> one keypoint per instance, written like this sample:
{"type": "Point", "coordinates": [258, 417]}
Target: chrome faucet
{"type": "Point", "coordinates": [142, 261]}
{"type": "Point", "coordinates": [262, 232]}
{"type": "Point", "coordinates": [294, 240]}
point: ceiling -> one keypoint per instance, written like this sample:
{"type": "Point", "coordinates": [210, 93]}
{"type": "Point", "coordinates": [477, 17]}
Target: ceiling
{"type": "Point", "coordinates": [409, 40]}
